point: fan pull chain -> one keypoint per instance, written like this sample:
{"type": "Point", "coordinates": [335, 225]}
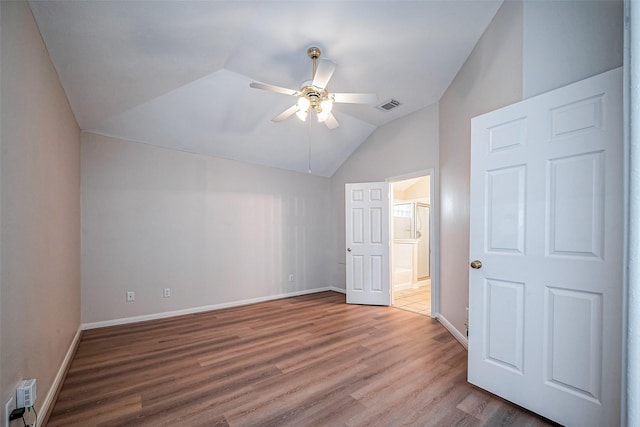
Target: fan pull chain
{"type": "Point", "coordinates": [309, 139]}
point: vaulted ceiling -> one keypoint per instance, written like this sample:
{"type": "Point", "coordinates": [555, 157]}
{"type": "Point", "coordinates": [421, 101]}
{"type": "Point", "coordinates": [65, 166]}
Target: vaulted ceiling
{"type": "Point", "coordinates": [176, 73]}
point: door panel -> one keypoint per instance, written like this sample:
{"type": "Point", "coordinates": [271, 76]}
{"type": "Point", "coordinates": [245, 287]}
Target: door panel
{"type": "Point", "coordinates": [574, 342]}
{"type": "Point", "coordinates": [505, 210]}
{"type": "Point", "coordinates": [504, 339]}
{"type": "Point", "coordinates": [357, 273]}
{"type": "Point", "coordinates": [546, 222]}
{"type": "Point", "coordinates": [367, 242]}
{"type": "Point", "coordinates": [357, 225]}
{"type": "Point", "coordinates": [576, 205]}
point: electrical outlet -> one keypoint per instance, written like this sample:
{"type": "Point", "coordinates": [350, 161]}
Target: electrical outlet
{"type": "Point", "coordinates": [291, 277]}
{"type": "Point", "coordinates": [10, 406]}
{"type": "Point", "coordinates": [131, 296]}
{"type": "Point", "coordinates": [166, 293]}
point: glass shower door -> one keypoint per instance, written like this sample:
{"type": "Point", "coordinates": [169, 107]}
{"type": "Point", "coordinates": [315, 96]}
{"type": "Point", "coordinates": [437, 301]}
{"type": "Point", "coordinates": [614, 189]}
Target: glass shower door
{"type": "Point", "coordinates": [422, 234]}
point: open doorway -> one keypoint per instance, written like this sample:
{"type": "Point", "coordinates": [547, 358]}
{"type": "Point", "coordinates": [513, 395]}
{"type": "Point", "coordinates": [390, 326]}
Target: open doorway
{"type": "Point", "coordinates": [411, 245]}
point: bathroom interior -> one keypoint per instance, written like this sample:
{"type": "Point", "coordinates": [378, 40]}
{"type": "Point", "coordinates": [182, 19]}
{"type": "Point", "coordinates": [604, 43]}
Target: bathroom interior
{"type": "Point", "coordinates": [411, 276]}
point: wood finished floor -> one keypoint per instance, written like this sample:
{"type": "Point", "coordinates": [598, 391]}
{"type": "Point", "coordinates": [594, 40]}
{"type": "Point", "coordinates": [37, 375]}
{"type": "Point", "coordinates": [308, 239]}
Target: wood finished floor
{"type": "Point", "coordinates": [304, 361]}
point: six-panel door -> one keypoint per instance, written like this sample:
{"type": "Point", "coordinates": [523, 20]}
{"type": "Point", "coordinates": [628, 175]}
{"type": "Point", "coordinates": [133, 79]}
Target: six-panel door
{"type": "Point", "coordinates": [547, 222]}
{"type": "Point", "coordinates": [367, 243]}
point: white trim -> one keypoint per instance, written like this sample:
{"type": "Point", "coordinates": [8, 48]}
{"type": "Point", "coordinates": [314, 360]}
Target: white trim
{"type": "Point", "coordinates": [49, 401]}
{"type": "Point", "coordinates": [631, 358]}
{"type": "Point", "coordinates": [456, 333]}
{"type": "Point", "coordinates": [334, 289]}
{"type": "Point", "coordinates": [163, 315]}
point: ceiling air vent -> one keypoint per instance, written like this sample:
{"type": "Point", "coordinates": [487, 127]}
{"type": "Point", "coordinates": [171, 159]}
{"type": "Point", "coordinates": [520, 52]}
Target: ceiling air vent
{"type": "Point", "coordinates": [388, 105]}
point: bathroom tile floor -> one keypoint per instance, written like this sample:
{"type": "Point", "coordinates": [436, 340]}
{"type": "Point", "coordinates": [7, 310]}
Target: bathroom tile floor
{"type": "Point", "coordinates": [416, 299]}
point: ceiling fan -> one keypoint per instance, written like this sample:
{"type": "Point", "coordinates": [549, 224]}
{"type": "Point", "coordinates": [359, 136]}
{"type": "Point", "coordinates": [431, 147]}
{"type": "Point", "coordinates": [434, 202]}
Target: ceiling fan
{"type": "Point", "coordinates": [313, 94]}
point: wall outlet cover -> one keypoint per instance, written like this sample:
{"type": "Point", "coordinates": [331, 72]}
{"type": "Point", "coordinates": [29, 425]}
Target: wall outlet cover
{"type": "Point", "coordinates": [10, 406]}
{"type": "Point", "coordinates": [131, 296]}
{"type": "Point", "coordinates": [166, 293]}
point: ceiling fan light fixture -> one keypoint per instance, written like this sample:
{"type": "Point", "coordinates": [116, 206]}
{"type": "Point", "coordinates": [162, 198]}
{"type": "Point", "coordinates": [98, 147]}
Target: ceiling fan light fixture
{"type": "Point", "coordinates": [303, 103]}
{"type": "Point", "coordinates": [314, 95]}
{"type": "Point", "coordinates": [302, 115]}
{"type": "Point", "coordinates": [303, 108]}
{"type": "Point", "coordinates": [322, 116]}
{"type": "Point", "coordinates": [326, 106]}
{"type": "Point", "coordinates": [324, 109]}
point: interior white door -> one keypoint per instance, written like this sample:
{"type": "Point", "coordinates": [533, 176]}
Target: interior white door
{"type": "Point", "coordinates": [546, 224]}
{"type": "Point", "coordinates": [367, 243]}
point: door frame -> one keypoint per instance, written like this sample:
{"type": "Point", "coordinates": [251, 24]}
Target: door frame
{"type": "Point", "coordinates": [631, 292]}
{"type": "Point", "coordinates": [434, 233]}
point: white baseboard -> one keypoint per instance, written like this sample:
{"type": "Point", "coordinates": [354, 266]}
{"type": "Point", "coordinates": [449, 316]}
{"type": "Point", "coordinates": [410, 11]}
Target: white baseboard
{"type": "Point", "coordinates": [163, 315]}
{"type": "Point", "coordinates": [334, 289]}
{"type": "Point", "coordinates": [456, 333]}
{"type": "Point", "coordinates": [48, 402]}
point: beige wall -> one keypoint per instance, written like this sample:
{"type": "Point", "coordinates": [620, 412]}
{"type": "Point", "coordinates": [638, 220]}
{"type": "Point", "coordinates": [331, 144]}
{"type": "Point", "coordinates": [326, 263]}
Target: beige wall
{"type": "Point", "coordinates": [570, 40]}
{"type": "Point", "coordinates": [215, 231]}
{"type": "Point", "coordinates": [529, 48]}
{"type": "Point", "coordinates": [490, 78]}
{"type": "Point", "coordinates": [420, 190]}
{"type": "Point", "coordinates": [402, 147]}
{"type": "Point", "coordinates": [40, 210]}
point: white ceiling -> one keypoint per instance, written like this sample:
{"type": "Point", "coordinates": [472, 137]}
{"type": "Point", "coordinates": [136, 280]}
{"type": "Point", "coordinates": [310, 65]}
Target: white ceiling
{"type": "Point", "coordinates": [176, 73]}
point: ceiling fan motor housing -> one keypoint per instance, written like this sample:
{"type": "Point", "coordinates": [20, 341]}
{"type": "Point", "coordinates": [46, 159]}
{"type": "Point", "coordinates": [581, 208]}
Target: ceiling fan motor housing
{"type": "Point", "coordinates": [314, 95]}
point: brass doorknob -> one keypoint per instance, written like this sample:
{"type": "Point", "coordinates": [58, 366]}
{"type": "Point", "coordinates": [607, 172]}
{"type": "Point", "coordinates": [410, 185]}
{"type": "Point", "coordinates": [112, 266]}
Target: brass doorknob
{"type": "Point", "coordinates": [477, 264]}
{"type": "Point", "coordinates": [348, 249]}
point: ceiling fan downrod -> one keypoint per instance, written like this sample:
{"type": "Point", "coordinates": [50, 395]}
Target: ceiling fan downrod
{"type": "Point", "coordinates": [314, 53]}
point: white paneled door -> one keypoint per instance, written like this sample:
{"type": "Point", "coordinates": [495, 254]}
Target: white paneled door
{"type": "Point", "coordinates": [546, 245]}
{"type": "Point", "coordinates": [367, 243]}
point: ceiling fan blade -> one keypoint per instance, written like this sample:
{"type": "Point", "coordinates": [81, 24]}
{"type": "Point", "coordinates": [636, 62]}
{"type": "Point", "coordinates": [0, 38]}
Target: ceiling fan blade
{"type": "Point", "coordinates": [272, 88]}
{"type": "Point", "coordinates": [331, 121]}
{"type": "Point", "coordinates": [355, 98]}
{"type": "Point", "coordinates": [286, 113]}
{"type": "Point", "coordinates": [323, 73]}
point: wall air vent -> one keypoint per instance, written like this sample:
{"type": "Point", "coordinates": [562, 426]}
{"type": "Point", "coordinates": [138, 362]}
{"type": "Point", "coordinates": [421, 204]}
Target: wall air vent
{"type": "Point", "coordinates": [388, 105]}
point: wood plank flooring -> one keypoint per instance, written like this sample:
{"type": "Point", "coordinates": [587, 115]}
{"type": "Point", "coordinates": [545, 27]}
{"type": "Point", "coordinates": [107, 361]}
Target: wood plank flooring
{"type": "Point", "coordinates": [304, 361]}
